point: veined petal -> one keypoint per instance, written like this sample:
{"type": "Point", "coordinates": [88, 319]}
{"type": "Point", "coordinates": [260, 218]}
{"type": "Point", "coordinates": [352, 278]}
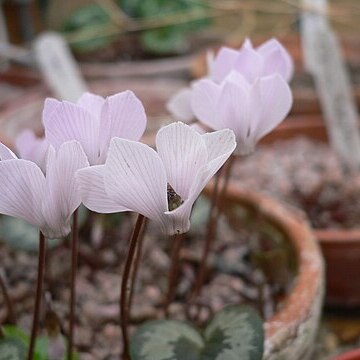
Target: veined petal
{"type": "Point", "coordinates": [30, 147]}
{"type": "Point", "coordinates": [249, 63]}
{"type": "Point", "coordinates": [22, 189]}
{"type": "Point", "coordinates": [123, 116]}
{"type": "Point", "coordinates": [92, 103]}
{"type": "Point", "coordinates": [219, 143]}
{"type": "Point", "coordinates": [50, 105]}
{"type": "Point", "coordinates": [182, 152]}
{"type": "Point", "coordinates": [135, 177]}
{"type": "Point", "coordinates": [62, 196]}
{"type": "Point", "coordinates": [6, 153]}
{"type": "Point", "coordinates": [179, 105]}
{"type": "Point", "coordinates": [204, 102]}
{"type": "Point", "coordinates": [276, 59]}
{"type": "Point", "coordinates": [223, 63]}
{"type": "Point", "coordinates": [70, 121]}
{"type": "Point", "coordinates": [234, 111]}
{"type": "Point", "coordinates": [273, 97]}
{"type": "Point", "coordinates": [92, 191]}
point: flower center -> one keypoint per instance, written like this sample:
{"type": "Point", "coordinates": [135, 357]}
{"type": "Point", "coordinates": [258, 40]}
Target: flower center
{"type": "Point", "coordinates": [174, 200]}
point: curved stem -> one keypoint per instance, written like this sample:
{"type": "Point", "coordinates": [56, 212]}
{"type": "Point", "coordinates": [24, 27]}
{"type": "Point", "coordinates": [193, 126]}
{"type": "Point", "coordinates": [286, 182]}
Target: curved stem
{"type": "Point", "coordinates": [217, 200]}
{"type": "Point", "coordinates": [74, 262]}
{"type": "Point", "coordinates": [7, 300]}
{"type": "Point", "coordinates": [173, 272]}
{"type": "Point", "coordinates": [39, 290]}
{"type": "Point", "coordinates": [124, 304]}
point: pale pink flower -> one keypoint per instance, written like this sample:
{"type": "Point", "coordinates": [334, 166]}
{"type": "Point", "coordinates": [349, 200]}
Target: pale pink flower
{"type": "Point", "coordinates": [30, 147]}
{"type": "Point", "coordinates": [162, 185]}
{"type": "Point", "coordinates": [94, 121]}
{"type": "Point", "coordinates": [252, 63]}
{"type": "Point", "coordinates": [46, 202]}
{"type": "Point", "coordinates": [251, 110]}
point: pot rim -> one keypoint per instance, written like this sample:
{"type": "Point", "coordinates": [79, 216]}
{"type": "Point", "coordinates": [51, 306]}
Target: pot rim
{"type": "Point", "coordinates": [298, 304]}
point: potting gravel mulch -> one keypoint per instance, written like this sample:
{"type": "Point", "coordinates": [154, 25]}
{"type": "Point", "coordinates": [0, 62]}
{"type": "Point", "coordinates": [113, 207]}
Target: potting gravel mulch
{"type": "Point", "coordinates": [237, 274]}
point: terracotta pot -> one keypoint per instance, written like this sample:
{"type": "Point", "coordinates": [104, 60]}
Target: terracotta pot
{"type": "Point", "coordinates": [291, 332]}
{"type": "Point", "coordinates": [350, 355]}
{"type": "Point", "coordinates": [341, 248]}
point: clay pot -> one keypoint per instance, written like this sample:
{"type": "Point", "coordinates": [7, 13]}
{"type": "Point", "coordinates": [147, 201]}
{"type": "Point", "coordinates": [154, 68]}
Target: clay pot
{"type": "Point", "coordinates": [341, 248]}
{"type": "Point", "coordinates": [350, 355]}
{"type": "Point", "coordinates": [291, 332]}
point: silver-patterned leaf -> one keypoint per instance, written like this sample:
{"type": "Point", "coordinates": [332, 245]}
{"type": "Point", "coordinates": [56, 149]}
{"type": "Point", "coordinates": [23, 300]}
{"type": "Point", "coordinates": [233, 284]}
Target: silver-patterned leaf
{"type": "Point", "coordinates": [166, 340]}
{"type": "Point", "coordinates": [234, 333]}
{"type": "Point", "coordinates": [12, 349]}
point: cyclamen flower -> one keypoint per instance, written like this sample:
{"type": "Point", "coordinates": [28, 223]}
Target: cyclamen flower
{"type": "Point", "coordinates": [94, 121]}
{"type": "Point", "coordinates": [46, 202]}
{"type": "Point", "coordinates": [30, 147]}
{"type": "Point", "coordinates": [250, 110]}
{"type": "Point", "coordinates": [162, 185]}
{"type": "Point", "coordinates": [267, 59]}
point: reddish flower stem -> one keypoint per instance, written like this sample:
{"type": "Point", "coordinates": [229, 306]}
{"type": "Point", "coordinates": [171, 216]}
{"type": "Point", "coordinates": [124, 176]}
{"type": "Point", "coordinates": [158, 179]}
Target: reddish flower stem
{"type": "Point", "coordinates": [124, 303]}
{"type": "Point", "coordinates": [7, 300]}
{"type": "Point", "coordinates": [216, 203]}
{"type": "Point", "coordinates": [38, 296]}
{"type": "Point", "coordinates": [173, 272]}
{"type": "Point", "coordinates": [74, 263]}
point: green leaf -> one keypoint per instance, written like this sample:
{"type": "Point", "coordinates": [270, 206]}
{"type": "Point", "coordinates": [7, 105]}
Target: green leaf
{"type": "Point", "coordinates": [12, 349]}
{"type": "Point", "coordinates": [166, 340]}
{"type": "Point", "coordinates": [12, 331]}
{"type": "Point", "coordinates": [235, 333]}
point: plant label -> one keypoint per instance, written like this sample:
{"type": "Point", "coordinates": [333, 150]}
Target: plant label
{"type": "Point", "coordinates": [324, 61]}
{"type": "Point", "coordinates": [59, 69]}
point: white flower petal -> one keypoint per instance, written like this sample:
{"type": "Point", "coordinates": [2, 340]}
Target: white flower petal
{"type": "Point", "coordinates": [22, 189]}
{"type": "Point", "coordinates": [179, 105]}
{"type": "Point", "coordinates": [6, 153]}
{"type": "Point", "coordinates": [273, 97]}
{"type": "Point", "coordinates": [123, 116]}
{"type": "Point", "coordinates": [92, 191]}
{"type": "Point", "coordinates": [249, 63]}
{"type": "Point", "coordinates": [70, 121]}
{"type": "Point", "coordinates": [136, 179]}
{"type": "Point", "coordinates": [92, 103]}
{"type": "Point", "coordinates": [62, 196]}
{"type": "Point", "coordinates": [204, 101]}
{"type": "Point", "coordinates": [219, 143]}
{"type": "Point", "coordinates": [182, 152]}
{"type": "Point", "coordinates": [223, 63]}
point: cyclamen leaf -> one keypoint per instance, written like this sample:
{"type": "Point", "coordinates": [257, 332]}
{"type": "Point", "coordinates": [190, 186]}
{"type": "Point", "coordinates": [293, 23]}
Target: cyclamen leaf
{"type": "Point", "coordinates": [234, 333]}
{"type": "Point", "coordinates": [166, 340]}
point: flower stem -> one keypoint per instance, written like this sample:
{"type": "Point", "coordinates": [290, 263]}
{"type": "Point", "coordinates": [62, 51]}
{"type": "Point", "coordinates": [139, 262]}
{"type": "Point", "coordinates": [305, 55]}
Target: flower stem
{"type": "Point", "coordinates": [38, 296]}
{"type": "Point", "coordinates": [124, 303]}
{"type": "Point", "coordinates": [7, 300]}
{"type": "Point", "coordinates": [173, 272]}
{"type": "Point", "coordinates": [217, 199]}
{"type": "Point", "coordinates": [74, 262]}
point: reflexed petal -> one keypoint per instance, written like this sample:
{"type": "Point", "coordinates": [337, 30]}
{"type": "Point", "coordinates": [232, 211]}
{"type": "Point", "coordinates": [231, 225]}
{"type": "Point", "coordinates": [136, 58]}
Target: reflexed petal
{"type": "Point", "coordinates": [62, 194]}
{"type": "Point", "coordinates": [276, 59]}
{"type": "Point", "coordinates": [135, 177]}
{"type": "Point", "coordinates": [249, 63]}
{"type": "Point", "coordinates": [182, 152]}
{"type": "Point", "coordinates": [219, 143]}
{"type": "Point", "coordinates": [22, 189]}
{"type": "Point", "coordinates": [179, 105]}
{"type": "Point", "coordinates": [92, 190]}
{"type": "Point", "coordinates": [223, 63]}
{"type": "Point", "coordinates": [50, 105]}
{"type": "Point", "coordinates": [272, 95]}
{"type": "Point", "coordinates": [30, 147]}
{"type": "Point", "coordinates": [92, 103]}
{"type": "Point", "coordinates": [71, 122]}
{"type": "Point", "coordinates": [123, 116]}
{"type": "Point", "coordinates": [210, 61]}
{"type": "Point", "coordinates": [234, 111]}
{"type": "Point", "coordinates": [6, 153]}
{"type": "Point", "coordinates": [204, 102]}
